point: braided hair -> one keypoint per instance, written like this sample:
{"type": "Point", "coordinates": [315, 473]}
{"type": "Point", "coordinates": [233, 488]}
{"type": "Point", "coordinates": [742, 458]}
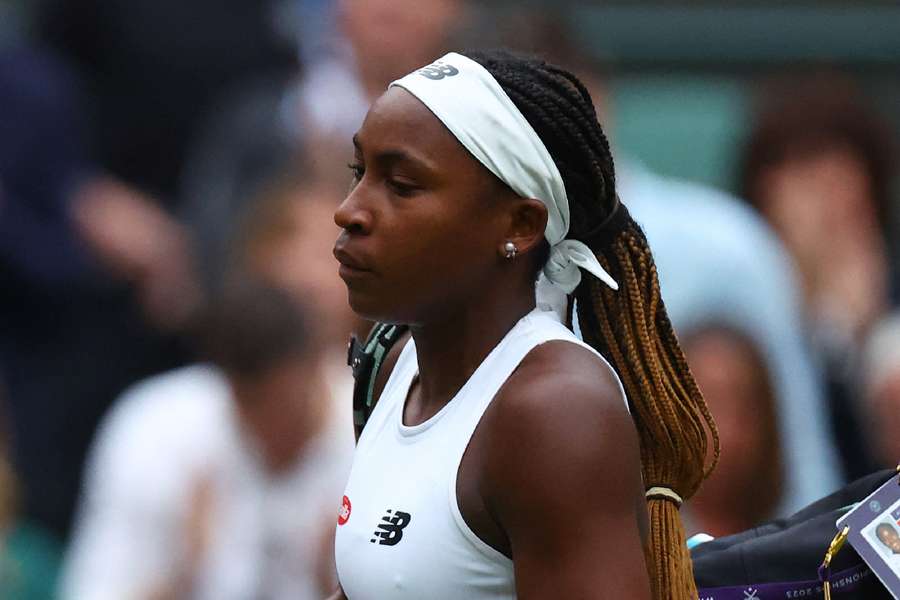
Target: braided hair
{"type": "Point", "coordinates": [629, 327]}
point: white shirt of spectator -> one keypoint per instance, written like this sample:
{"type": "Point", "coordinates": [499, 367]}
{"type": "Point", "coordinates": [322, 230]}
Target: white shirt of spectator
{"type": "Point", "coordinates": [269, 534]}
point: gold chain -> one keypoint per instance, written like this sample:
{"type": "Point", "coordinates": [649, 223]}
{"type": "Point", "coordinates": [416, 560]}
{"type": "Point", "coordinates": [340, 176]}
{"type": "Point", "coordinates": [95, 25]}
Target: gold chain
{"type": "Point", "coordinates": [833, 548]}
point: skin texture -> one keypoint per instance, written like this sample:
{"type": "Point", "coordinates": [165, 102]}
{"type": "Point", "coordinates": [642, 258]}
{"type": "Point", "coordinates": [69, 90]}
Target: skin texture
{"type": "Point", "coordinates": [551, 476]}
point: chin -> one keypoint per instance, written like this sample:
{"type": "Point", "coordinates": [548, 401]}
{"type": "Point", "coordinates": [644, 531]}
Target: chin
{"type": "Point", "coordinates": [365, 306]}
{"type": "Point", "coordinates": [372, 307]}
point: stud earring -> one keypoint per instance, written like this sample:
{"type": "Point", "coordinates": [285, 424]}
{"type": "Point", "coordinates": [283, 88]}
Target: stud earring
{"type": "Point", "coordinates": [511, 250]}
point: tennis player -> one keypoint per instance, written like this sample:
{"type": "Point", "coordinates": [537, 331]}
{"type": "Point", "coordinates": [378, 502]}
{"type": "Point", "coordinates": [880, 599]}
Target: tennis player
{"type": "Point", "coordinates": [506, 458]}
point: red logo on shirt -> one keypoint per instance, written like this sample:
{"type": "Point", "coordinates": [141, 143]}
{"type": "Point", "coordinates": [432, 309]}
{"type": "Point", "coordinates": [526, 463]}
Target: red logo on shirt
{"type": "Point", "coordinates": [344, 513]}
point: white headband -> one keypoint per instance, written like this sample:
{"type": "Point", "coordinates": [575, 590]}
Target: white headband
{"type": "Point", "coordinates": [473, 106]}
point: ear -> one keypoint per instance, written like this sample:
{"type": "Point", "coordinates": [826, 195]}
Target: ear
{"type": "Point", "coordinates": [526, 225]}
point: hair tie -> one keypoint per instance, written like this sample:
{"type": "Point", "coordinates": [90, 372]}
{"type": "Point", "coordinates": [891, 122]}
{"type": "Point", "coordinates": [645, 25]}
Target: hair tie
{"type": "Point", "coordinates": [605, 233]}
{"type": "Point", "coordinates": [663, 493]}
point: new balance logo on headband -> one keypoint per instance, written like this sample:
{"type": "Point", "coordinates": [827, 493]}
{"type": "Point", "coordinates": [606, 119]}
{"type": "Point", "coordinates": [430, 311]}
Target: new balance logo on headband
{"type": "Point", "coordinates": [390, 530]}
{"type": "Point", "coordinates": [438, 70]}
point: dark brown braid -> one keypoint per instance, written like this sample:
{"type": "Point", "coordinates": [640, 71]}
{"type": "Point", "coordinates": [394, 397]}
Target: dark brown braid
{"type": "Point", "coordinates": [629, 327]}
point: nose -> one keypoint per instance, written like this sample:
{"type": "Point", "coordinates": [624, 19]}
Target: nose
{"type": "Point", "coordinates": [352, 215]}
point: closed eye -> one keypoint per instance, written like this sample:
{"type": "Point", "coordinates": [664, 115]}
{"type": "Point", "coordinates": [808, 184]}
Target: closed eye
{"type": "Point", "coordinates": [402, 188]}
{"type": "Point", "coordinates": [397, 186]}
{"type": "Point", "coordinates": [357, 169]}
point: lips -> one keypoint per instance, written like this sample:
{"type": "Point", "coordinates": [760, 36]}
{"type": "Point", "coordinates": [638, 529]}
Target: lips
{"type": "Point", "coordinates": [351, 264]}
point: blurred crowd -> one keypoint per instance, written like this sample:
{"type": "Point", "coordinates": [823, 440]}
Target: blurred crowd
{"type": "Point", "coordinates": [175, 415]}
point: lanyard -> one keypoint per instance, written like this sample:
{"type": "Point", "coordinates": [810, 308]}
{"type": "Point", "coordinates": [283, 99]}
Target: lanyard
{"type": "Point", "coordinates": [844, 581]}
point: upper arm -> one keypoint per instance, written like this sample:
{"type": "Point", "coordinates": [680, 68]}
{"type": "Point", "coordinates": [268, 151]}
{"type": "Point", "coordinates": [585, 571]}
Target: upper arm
{"type": "Point", "coordinates": [563, 476]}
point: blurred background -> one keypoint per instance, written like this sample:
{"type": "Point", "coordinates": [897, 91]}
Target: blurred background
{"type": "Point", "coordinates": [174, 409]}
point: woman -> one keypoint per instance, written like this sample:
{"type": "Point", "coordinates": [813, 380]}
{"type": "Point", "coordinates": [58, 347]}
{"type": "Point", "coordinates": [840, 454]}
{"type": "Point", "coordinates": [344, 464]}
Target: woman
{"type": "Point", "coordinates": [501, 460]}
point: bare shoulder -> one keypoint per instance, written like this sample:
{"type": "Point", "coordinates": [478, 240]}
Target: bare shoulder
{"type": "Point", "coordinates": [563, 380]}
{"type": "Point", "coordinates": [561, 474]}
{"type": "Point", "coordinates": [562, 405]}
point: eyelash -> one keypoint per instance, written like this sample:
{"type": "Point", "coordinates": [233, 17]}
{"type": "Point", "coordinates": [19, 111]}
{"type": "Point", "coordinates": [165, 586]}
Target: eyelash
{"type": "Point", "coordinates": [401, 189]}
{"type": "Point", "coordinates": [357, 170]}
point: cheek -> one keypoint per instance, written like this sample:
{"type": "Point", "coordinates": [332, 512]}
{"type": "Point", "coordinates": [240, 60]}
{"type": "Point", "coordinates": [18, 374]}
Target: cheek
{"type": "Point", "coordinates": [440, 253]}
{"type": "Point", "coordinates": [439, 256]}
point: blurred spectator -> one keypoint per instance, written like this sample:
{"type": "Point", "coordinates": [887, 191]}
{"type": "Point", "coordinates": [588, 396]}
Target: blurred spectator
{"type": "Point", "coordinates": [155, 66]}
{"type": "Point", "coordinates": [244, 144]}
{"type": "Point", "coordinates": [29, 557]}
{"type": "Point", "coordinates": [288, 237]}
{"type": "Point", "coordinates": [138, 243]}
{"type": "Point", "coordinates": [73, 336]}
{"type": "Point", "coordinates": [880, 371]}
{"type": "Point", "coordinates": [154, 71]}
{"type": "Point", "coordinates": [99, 277]}
{"type": "Point", "coordinates": [746, 486]}
{"type": "Point", "coordinates": [818, 166]}
{"type": "Point", "coordinates": [285, 237]}
{"type": "Point", "coordinates": [376, 42]}
{"type": "Point", "coordinates": [218, 481]}
{"type": "Point", "coordinates": [720, 265]}
{"type": "Point", "coordinates": [232, 471]}
{"type": "Point", "coordinates": [352, 50]}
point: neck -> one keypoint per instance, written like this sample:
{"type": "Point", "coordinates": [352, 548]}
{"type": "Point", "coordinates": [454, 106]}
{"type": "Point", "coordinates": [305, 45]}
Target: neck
{"type": "Point", "coordinates": [451, 347]}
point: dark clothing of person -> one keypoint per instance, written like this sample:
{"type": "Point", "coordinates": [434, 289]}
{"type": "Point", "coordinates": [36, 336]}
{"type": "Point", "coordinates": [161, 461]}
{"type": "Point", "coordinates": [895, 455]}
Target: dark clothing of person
{"type": "Point", "coordinates": [153, 68]}
{"type": "Point", "coordinates": [847, 425]}
{"type": "Point", "coordinates": [71, 339]}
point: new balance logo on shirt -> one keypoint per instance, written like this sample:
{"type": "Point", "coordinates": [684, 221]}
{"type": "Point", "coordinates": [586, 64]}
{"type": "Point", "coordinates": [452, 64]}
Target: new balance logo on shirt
{"type": "Point", "coordinates": [390, 530]}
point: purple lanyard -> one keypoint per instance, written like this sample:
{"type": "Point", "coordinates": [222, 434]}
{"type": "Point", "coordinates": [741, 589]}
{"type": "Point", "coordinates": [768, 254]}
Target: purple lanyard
{"type": "Point", "coordinates": [843, 581]}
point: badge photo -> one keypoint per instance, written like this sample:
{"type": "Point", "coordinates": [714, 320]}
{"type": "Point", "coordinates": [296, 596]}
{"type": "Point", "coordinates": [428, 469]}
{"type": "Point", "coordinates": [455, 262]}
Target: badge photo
{"type": "Point", "coordinates": [874, 532]}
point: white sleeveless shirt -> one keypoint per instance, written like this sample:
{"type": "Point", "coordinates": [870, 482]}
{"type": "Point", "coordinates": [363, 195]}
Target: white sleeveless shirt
{"type": "Point", "coordinates": [400, 534]}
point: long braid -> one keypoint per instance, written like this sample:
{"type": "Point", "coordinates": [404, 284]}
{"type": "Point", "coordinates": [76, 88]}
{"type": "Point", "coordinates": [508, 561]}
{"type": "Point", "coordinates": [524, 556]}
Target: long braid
{"type": "Point", "coordinates": [629, 327]}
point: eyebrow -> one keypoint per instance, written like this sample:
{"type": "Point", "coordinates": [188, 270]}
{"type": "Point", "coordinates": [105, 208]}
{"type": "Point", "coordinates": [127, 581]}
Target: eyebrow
{"type": "Point", "coordinates": [397, 155]}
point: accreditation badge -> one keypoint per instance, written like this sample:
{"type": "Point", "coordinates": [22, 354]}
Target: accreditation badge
{"type": "Point", "coordinates": [873, 529]}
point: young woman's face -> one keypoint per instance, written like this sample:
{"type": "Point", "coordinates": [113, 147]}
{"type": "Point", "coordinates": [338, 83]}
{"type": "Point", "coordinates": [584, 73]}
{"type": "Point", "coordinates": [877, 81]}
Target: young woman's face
{"type": "Point", "coordinates": [423, 224]}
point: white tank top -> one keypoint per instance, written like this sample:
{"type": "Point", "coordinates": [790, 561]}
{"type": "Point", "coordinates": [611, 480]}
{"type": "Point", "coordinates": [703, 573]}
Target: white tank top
{"type": "Point", "coordinates": [400, 534]}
